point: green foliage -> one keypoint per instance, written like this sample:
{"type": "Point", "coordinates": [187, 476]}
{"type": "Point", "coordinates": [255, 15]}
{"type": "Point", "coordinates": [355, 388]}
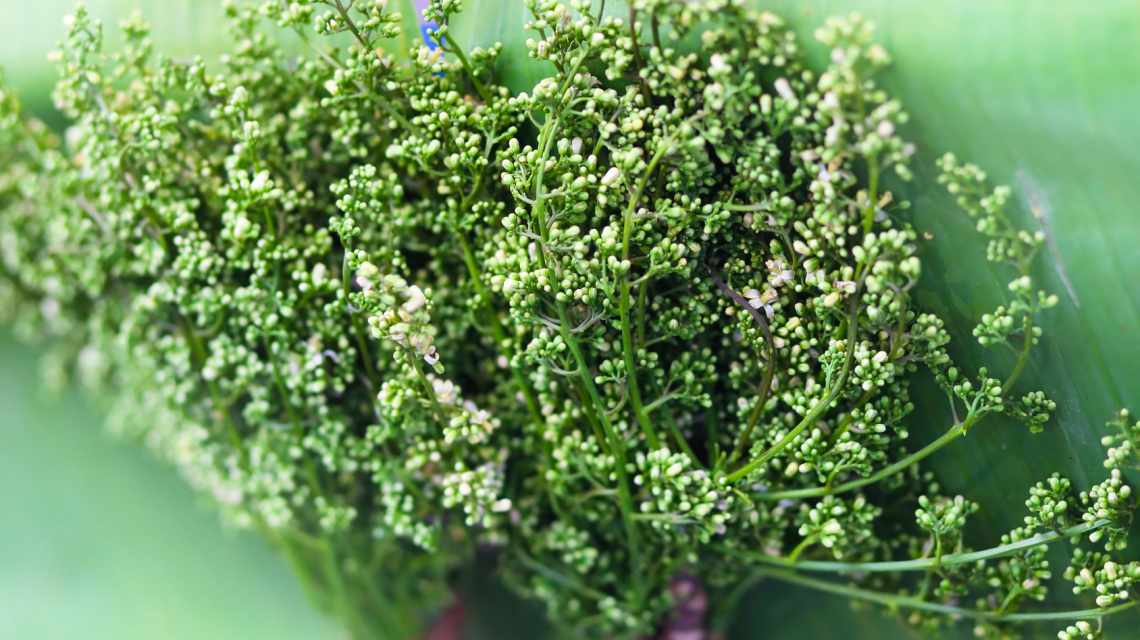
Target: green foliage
{"type": "Point", "coordinates": [637, 322]}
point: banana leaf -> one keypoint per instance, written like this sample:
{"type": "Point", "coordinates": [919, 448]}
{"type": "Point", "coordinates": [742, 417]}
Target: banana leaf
{"type": "Point", "coordinates": [101, 541]}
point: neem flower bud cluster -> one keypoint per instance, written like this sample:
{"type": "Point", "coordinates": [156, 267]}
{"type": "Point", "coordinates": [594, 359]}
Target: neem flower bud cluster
{"type": "Point", "coordinates": [649, 321]}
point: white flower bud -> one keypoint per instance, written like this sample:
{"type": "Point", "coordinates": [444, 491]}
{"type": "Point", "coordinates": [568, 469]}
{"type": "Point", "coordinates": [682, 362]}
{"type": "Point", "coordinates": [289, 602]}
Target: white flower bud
{"type": "Point", "coordinates": [260, 181]}
{"type": "Point", "coordinates": [416, 299]}
{"type": "Point", "coordinates": [784, 89]}
{"type": "Point", "coordinates": [611, 176]}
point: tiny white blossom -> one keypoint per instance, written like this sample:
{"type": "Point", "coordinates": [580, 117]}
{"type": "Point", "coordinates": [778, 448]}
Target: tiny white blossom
{"type": "Point", "coordinates": [718, 66]}
{"type": "Point", "coordinates": [784, 89]}
{"type": "Point", "coordinates": [416, 299]}
{"type": "Point", "coordinates": [260, 181]}
{"type": "Point", "coordinates": [611, 176]}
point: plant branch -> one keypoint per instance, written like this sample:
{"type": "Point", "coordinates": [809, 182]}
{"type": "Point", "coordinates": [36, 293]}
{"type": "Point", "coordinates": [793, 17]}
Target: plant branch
{"type": "Point", "coordinates": [951, 434]}
{"type": "Point", "coordinates": [835, 388]}
{"type": "Point", "coordinates": [907, 602]}
{"type": "Point", "coordinates": [769, 372]}
{"type": "Point", "coordinates": [923, 564]}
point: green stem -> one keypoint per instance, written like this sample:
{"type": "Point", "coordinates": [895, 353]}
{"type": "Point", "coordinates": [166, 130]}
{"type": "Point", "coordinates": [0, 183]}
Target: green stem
{"type": "Point", "coordinates": [748, 207]}
{"type": "Point", "coordinates": [429, 388]}
{"type": "Point", "coordinates": [641, 307]}
{"type": "Point", "coordinates": [496, 327]}
{"type": "Point", "coordinates": [951, 434]}
{"type": "Point", "coordinates": [907, 602]}
{"type": "Point", "coordinates": [757, 410]}
{"type": "Point", "coordinates": [872, 193]}
{"type": "Point", "coordinates": [365, 92]}
{"type": "Point", "coordinates": [769, 371]}
{"type": "Point", "coordinates": [624, 299]}
{"type": "Point", "coordinates": [804, 544]}
{"type": "Point", "coordinates": [923, 564]}
{"type": "Point", "coordinates": [458, 51]}
{"type": "Point", "coordinates": [845, 424]}
{"type": "Point", "coordinates": [1022, 356]}
{"type": "Point", "coordinates": [360, 333]}
{"type": "Point", "coordinates": [563, 579]}
{"type": "Point", "coordinates": [365, 45]}
{"type": "Point", "coordinates": [616, 446]}
{"type": "Point", "coordinates": [812, 415]}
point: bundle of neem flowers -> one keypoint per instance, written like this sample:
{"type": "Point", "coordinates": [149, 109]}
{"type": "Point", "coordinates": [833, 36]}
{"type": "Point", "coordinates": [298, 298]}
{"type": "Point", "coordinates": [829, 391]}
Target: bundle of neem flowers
{"type": "Point", "coordinates": [642, 330]}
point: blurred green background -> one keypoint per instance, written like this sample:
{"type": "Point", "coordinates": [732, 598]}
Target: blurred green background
{"type": "Point", "coordinates": [29, 30]}
{"type": "Point", "coordinates": [98, 541]}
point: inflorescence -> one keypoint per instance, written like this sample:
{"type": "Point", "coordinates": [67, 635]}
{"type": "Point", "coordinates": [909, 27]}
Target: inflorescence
{"type": "Point", "coordinates": [650, 318]}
